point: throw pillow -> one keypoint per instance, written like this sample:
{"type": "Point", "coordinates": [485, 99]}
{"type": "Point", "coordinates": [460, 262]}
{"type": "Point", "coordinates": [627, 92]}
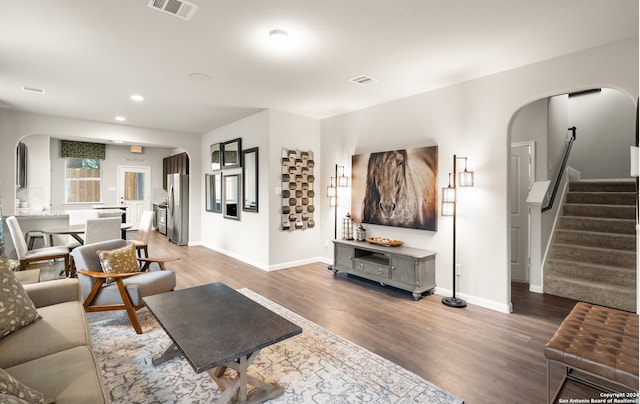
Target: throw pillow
{"type": "Point", "coordinates": [12, 387]}
{"type": "Point", "coordinates": [9, 399]}
{"type": "Point", "coordinates": [16, 308]}
{"type": "Point", "coordinates": [121, 260]}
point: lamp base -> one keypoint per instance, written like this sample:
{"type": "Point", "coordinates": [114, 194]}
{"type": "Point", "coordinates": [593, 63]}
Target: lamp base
{"type": "Point", "coordinates": [454, 302]}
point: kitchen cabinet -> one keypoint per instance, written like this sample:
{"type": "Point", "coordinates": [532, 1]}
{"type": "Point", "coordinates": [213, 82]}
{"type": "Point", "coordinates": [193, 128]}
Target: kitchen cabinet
{"type": "Point", "coordinates": [176, 164]}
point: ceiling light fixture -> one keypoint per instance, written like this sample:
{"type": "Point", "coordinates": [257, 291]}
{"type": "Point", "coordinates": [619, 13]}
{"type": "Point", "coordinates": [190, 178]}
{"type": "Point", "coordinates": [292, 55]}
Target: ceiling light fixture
{"type": "Point", "coordinates": [137, 98]}
{"type": "Point", "coordinates": [278, 38]}
{"type": "Point", "coordinates": [120, 118]}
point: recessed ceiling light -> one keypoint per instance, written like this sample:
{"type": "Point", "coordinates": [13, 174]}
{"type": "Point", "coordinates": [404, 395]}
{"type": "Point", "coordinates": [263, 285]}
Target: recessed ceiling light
{"type": "Point", "coordinates": [117, 141]}
{"type": "Point", "coordinates": [120, 118]}
{"type": "Point", "coordinates": [137, 98]}
{"type": "Point", "coordinates": [278, 38]}
{"type": "Point", "coordinates": [33, 90]}
{"type": "Point", "coordinates": [199, 77]}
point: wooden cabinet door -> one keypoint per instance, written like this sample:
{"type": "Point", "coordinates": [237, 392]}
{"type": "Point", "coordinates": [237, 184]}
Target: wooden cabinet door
{"type": "Point", "coordinates": [403, 269]}
{"type": "Point", "coordinates": [343, 256]}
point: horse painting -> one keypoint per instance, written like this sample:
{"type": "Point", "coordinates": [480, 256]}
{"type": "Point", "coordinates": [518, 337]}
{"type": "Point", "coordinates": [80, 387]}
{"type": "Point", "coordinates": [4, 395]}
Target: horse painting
{"type": "Point", "coordinates": [399, 189]}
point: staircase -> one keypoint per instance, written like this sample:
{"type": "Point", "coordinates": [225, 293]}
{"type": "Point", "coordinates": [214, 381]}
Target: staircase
{"type": "Point", "coordinates": [592, 256]}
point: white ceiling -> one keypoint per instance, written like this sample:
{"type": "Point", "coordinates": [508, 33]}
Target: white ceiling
{"type": "Point", "coordinates": [90, 56]}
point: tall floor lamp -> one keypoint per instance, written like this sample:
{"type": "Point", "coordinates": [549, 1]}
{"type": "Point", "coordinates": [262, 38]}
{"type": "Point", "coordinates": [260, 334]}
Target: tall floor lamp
{"type": "Point", "coordinates": [338, 181]}
{"type": "Point", "coordinates": [449, 208]}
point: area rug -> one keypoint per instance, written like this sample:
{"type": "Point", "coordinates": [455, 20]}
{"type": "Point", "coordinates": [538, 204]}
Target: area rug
{"type": "Point", "coordinates": [316, 366]}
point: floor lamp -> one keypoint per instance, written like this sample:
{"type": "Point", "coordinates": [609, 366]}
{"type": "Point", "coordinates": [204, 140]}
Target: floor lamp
{"type": "Point", "coordinates": [338, 181]}
{"type": "Point", "coordinates": [449, 208]}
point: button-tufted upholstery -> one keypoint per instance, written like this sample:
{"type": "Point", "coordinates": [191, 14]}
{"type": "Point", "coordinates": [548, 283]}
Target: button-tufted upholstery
{"type": "Point", "coordinates": [598, 340]}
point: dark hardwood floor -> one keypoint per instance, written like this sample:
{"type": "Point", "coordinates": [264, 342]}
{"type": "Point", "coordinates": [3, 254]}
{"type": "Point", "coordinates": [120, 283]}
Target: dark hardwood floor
{"type": "Point", "coordinates": [480, 355]}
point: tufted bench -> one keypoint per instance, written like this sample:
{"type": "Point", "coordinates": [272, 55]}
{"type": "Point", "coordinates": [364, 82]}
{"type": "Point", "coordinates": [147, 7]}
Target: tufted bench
{"type": "Point", "coordinates": [598, 341]}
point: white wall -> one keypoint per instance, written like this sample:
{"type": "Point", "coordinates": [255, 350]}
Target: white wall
{"type": "Point", "coordinates": [473, 119]}
{"type": "Point", "coordinates": [15, 126]}
{"type": "Point", "coordinates": [115, 155]}
{"type": "Point", "coordinates": [294, 247]}
{"type": "Point", "coordinates": [257, 238]}
{"type": "Point", "coordinates": [605, 123]}
{"type": "Point", "coordinates": [38, 190]}
{"type": "Point", "coordinates": [530, 124]}
{"type": "Point", "coordinates": [245, 239]}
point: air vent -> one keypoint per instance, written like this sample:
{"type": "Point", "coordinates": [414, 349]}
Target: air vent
{"type": "Point", "coordinates": [363, 80]}
{"type": "Point", "coordinates": [180, 9]}
{"type": "Point", "coordinates": [33, 90]}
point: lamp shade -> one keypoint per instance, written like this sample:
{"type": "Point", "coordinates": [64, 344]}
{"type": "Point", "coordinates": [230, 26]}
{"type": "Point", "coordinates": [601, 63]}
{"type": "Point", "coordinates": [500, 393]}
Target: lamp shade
{"type": "Point", "coordinates": [465, 178]}
{"type": "Point", "coordinates": [331, 191]}
{"type": "Point", "coordinates": [448, 194]}
{"type": "Point", "coordinates": [448, 208]}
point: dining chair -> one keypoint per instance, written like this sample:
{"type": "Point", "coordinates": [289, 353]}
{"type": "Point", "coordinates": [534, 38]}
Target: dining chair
{"type": "Point", "coordinates": [144, 233]}
{"type": "Point", "coordinates": [77, 217]}
{"type": "Point", "coordinates": [102, 229]}
{"type": "Point", "coordinates": [26, 256]}
{"type": "Point", "coordinates": [111, 279]}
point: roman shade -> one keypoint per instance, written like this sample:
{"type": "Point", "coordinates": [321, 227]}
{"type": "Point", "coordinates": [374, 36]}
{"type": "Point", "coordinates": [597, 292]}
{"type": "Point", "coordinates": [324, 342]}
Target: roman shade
{"type": "Point", "coordinates": [83, 150]}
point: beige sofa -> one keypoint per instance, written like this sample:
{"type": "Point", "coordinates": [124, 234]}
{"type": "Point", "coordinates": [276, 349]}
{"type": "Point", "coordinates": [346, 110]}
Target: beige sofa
{"type": "Point", "coordinates": [54, 355]}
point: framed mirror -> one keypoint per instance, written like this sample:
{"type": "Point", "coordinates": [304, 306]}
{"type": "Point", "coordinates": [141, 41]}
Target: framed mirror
{"type": "Point", "coordinates": [231, 153]}
{"type": "Point", "coordinates": [231, 189]}
{"type": "Point", "coordinates": [250, 183]}
{"type": "Point", "coordinates": [208, 192]}
{"type": "Point", "coordinates": [213, 192]}
{"type": "Point", "coordinates": [215, 157]}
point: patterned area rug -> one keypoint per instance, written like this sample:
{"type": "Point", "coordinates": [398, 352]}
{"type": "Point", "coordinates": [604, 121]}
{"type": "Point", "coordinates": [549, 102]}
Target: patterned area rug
{"type": "Point", "coordinates": [316, 366]}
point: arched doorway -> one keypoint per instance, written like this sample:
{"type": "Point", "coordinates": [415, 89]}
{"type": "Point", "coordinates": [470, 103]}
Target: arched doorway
{"type": "Point", "coordinates": [605, 120]}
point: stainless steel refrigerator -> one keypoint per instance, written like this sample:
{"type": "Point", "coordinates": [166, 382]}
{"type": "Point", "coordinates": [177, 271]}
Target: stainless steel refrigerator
{"type": "Point", "coordinates": [178, 208]}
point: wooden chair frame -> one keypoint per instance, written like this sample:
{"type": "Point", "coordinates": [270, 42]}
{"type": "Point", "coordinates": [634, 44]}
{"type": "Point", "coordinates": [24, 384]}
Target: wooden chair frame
{"type": "Point", "coordinates": [127, 305]}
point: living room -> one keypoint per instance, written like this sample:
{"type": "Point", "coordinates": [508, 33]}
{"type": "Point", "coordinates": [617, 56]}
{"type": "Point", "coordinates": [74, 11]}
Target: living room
{"type": "Point", "coordinates": [470, 118]}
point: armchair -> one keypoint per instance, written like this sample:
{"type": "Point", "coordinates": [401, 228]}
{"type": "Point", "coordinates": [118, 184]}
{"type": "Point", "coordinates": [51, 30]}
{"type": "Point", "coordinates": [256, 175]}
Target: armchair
{"type": "Point", "coordinates": [127, 289]}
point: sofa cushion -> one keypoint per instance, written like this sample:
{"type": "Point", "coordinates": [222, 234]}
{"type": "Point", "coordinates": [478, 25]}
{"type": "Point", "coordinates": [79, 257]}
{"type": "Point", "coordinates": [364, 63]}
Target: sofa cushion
{"type": "Point", "coordinates": [9, 385]}
{"type": "Point", "coordinates": [16, 308]}
{"type": "Point", "coordinates": [68, 376]}
{"type": "Point", "coordinates": [9, 399]}
{"type": "Point", "coordinates": [62, 326]}
{"type": "Point", "coordinates": [119, 261]}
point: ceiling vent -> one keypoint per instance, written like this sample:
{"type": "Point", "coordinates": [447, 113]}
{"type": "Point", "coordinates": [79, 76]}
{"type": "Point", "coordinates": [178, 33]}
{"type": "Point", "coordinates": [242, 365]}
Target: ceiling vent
{"type": "Point", "coordinates": [178, 8]}
{"type": "Point", "coordinates": [364, 80]}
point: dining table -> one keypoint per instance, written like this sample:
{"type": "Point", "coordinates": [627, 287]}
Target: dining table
{"type": "Point", "coordinates": [76, 231]}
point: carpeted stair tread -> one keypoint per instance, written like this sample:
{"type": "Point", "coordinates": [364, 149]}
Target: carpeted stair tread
{"type": "Point", "coordinates": [614, 241]}
{"type": "Point", "coordinates": [593, 272]}
{"type": "Point", "coordinates": [592, 256]}
{"type": "Point", "coordinates": [602, 186]}
{"type": "Point", "coordinates": [616, 296]}
{"type": "Point", "coordinates": [599, 224]}
{"type": "Point", "coordinates": [595, 210]}
{"type": "Point", "coordinates": [602, 198]}
{"type": "Point", "coordinates": [602, 256]}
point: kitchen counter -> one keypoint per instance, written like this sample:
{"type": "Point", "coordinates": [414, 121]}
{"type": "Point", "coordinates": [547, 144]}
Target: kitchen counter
{"type": "Point", "coordinates": [38, 214]}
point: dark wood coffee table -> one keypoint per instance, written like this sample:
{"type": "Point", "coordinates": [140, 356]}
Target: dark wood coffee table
{"type": "Point", "coordinates": [216, 328]}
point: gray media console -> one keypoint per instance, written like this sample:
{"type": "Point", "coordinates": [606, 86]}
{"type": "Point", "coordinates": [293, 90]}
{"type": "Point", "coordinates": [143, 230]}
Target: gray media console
{"type": "Point", "coordinates": [405, 268]}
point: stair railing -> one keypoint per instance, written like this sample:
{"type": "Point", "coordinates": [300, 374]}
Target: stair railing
{"type": "Point", "coordinates": [560, 171]}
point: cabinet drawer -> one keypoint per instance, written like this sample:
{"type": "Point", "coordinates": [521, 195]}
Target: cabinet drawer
{"type": "Point", "coordinates": [371, 268]}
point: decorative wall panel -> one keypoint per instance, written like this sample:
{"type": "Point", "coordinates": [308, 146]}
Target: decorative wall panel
{"type": "Point", "coordinates": [297, 190]}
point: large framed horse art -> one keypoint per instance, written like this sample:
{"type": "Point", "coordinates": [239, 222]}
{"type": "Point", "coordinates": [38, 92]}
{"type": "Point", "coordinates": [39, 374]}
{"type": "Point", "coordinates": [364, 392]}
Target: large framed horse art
{"type": "Point", "coordinates": [396, 188]}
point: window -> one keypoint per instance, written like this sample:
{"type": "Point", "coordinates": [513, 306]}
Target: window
{"type": "Point", "coordinates": [82, 180]}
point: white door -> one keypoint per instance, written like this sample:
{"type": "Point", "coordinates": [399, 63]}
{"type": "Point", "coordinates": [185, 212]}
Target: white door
{"type": "Point", "coordinates": [134, 191]}
{"type": "Point", "coordinates": [521, 180]}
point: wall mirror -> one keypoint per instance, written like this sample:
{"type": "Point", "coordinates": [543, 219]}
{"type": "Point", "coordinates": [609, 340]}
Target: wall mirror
{"type": "Point", "coordinates": [215, 157]}
{"type": "Point", "coordinates": [250, 183]}
{"type": "Point", "coordinates": [208, 192]}
{"type": "Point", "coordinates": [231, 153]}
{"type": "Point", "coordinates": [213, 192]}
{"type": "Point", "coordinates": [231, 185]}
